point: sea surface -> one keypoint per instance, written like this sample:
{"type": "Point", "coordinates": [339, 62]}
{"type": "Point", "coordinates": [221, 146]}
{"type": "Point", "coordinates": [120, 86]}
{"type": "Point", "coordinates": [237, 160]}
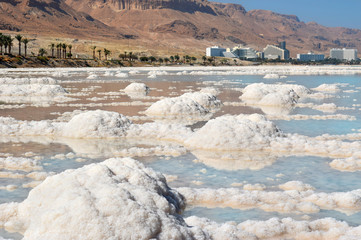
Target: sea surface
{"type": "Point", "coordinates": [100, 88]}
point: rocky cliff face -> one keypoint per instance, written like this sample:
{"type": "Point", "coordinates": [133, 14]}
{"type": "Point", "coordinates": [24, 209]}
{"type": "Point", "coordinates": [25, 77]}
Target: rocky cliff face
{"type": "Point", "coordinates": [190, 6]}
{"type": "Point", "coordinates": [177, 24]}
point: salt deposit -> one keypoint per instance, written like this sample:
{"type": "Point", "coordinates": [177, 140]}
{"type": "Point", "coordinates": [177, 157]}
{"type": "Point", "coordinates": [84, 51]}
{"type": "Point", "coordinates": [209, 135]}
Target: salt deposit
{"type": "Point", "coordinates": [271, 76]}
{"type": "Point", "coordinates": [333, 88]}
{"type": "Point", "coordinates": [16, 163]}
{"type": "Point", "coordinates": [275, 228]}
{"type": "Point", "coordinates": [196, 104]}
{"type": "Point", "coordinates": [31, 92]}
{"type": "Point", "coordinates": [242, 132]}
{"type": "Point", "coordinates": [137, 90]}
{"type": "Point", "coordinates": [116, 198]}
{"type": "Point", "coordinates": [299, 198]}
{"type": "Point", "coordinates": [96, 124]}
{"type": "Point", "coordinates": [350, 164]}
{"type": "Point", "coordinates": [40, 80]}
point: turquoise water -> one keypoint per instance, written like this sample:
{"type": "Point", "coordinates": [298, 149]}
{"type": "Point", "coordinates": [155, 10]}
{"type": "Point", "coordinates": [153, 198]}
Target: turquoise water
{"type": "Point", "coordinates": [191, 173]}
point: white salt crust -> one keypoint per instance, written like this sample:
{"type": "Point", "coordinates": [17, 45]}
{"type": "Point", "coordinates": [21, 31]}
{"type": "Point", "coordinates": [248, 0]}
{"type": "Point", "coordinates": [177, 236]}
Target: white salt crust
{"type": "Point", "coordinates": [115, 199]}
{"type": "Point", "coordinates": [234, 134]}
{"type": "Point", "coordinates": [122, 199]}
{"type": "Point", "coordinates": [298, 198]}
{"type": "Point", "coordinates": [19, 163]}
{"type": "Point", "coordinates": [195, 103]}
{"type": "Point", "coordinates": [137, 90]}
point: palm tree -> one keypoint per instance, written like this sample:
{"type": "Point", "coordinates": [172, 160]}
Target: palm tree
{"type": "Point", "coordinates": [93, 48]}
{"type": "Point", "coordinates": [8, 43]}
{"type": "Point", "coordinates": [1, 43]}
{"type": "Point", "coordinates": [171, 58]}
{"type": "Point", "coordinates": [176, 57]}
{"type": "Point", "coordinates": [52, 47]}
{"type": "Point", "coordinates": [19, 37]}
{"type": "Point", "coordinates": [42, 52]}
{"type": "Point", "coordinates": [204, 58]}
{"type": "Point", "coordinates": [25, 41]}
{"type": "Point", "coordinates": [100, 54]}
{"type": "Point", "coordinates": [70, 47]}
{"type": "Point", "coordinates": [130, 56]}
{"type": "Point", "coordinates": [106, 53]}
{"type": "Point", "coordinates": [58, 50]}
{"type": "Point", "coordinates": [64, 46]}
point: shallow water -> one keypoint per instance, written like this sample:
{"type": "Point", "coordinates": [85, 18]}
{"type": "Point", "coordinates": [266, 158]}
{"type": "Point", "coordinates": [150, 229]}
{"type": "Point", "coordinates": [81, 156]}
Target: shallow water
{"type": "Point", "coordinates": [188, 169]}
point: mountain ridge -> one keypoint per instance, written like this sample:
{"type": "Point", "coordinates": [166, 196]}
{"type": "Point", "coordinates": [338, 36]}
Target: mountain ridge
{"type": "Point", "coordinates": [176, 24]}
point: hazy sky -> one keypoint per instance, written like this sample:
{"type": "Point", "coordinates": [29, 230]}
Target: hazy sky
{"type": "Point", "coordinates": [333, 13]}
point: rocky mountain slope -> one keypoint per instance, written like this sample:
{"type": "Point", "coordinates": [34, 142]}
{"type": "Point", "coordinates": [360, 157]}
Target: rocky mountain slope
{"type": "Point", "coordinates": [172, 24]}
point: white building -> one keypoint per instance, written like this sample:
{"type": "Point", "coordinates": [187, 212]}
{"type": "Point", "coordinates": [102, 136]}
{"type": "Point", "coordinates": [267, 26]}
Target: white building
{"type": "Point", "coordinates": [244, 53]}
{"type": "Point", "coordinates": [215, 51]}
{"type": "Point", "coordinates": [343, 54]}
{"type": "Point", "coordinates": [310, 57]}
{"type": "Point", "coordinates": [274, 52]}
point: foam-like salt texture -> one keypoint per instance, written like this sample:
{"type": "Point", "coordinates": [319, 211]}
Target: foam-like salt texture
{"type": "Point", "coordinates": [196, 103]}
{"type": "Point", "coordinates": [118, 198]}
{"type": "Point", "coordinates": [275, 228]}
{"type": "Point", "coordinates": [297, 198]}
{"type": "Point", "coordinates": [96, 124]}
{"type": "Point", "coordinates": [137, 90]}
{"type": "Point", "coordinates": [19, 163]}
{"type": "Point", "coordinates": [249, 133]}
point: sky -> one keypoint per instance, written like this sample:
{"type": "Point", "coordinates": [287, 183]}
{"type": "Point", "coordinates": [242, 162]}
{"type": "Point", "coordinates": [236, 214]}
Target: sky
{"type": "Point", "coordinates": [331, 13]}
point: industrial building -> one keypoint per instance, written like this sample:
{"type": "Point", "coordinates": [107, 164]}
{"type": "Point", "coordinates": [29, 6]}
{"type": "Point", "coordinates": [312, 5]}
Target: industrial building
{"type": "Point", "coordinates": [343, 54]}
{"type": "Point", "coordinates": [310, 57]}
{"type": "Point", "coordinates": [236, 52]}
{"type": "Point", "coordinates": [276, 52]}
{"type": "Point", "coordinates": [215, 51]}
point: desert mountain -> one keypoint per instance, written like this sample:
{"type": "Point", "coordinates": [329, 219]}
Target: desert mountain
{"type": "Point", "coordinates": [172, 24]}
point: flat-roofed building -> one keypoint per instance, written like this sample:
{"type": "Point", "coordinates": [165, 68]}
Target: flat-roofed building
{"type": "Point", "coordinates": [310, 57]}
{"type": "Point", "coordinates": [270, 51]}
{"type": "Point", "coordinates": [244, 53]}
{"type": "Point", "coordinates": [215, 51]}
{"type": "Point", "coordinates": [343, 54]}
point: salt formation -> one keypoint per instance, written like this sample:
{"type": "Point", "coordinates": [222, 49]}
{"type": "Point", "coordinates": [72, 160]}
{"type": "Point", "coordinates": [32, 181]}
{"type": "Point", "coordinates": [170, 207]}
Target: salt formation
{"type": "Point", "coordinates": [40, 80]}
{"type": "Point", "coordinates": [135, 90]}
{"type": "Point", "coordinates": [96, 124]}
{"type": "Point", "coordinates": [118, 198]}
{"type": "Point", "coordinates": [333, 88]}
{"type": "Point", "coordinates": [298, 198]}
{"type": "Point", "coordinates": [271, 76]}
{"type": "Point", "coordinates": [35, 90]}
{"type": "Point", "coordinates": [350, 164]}
{"type": "Point", "coordinates": [189, 106]}
{"type": "Point", "coordinates": [275, 228]}
{"type": "Point", "coordinates": [273, 94]}
{"type": "Point", "coordinates": [19, 163]}
{"type": "Point", "coordinates": [242, 132]}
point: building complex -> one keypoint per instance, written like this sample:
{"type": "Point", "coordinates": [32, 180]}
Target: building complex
{"type": "Point", "coordinates": [277, 52]}
{"type": "Point", "coordinates": [343, 54]}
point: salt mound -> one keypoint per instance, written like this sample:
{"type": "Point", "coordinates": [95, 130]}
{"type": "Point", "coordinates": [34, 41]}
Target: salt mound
{"type": "Point", "coordinates": [296, 185]}
{"type": "Point", "coordinates": [333, 88]}
{"type": "Point", "coordinates": [41, 80]}
{"type": "Point", "coordinates": [207, 100]}
{"type": "Point", "coordinates": [275, 228]}
{"type": "Point", "coordinates": [272, 76]}
{"type": "Point", "coordinates": [137, 90]}
{"type": "Point", "coordinates": [285, 95]}
{"type": "Point", "coordinates": [196, 103]}
{"type": "Point", "coordinates": [115, 199]}
{"type": "Point", "coordinates": [177, 106]}
{"type": "Point", "coordinates": [96, 124]}
{"type": "Point", "coordinates": [31, 90]}
{"type": "Point", "coordinates": [19, 163]}
{"type": "Point", "coordinates": [242, 132]}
